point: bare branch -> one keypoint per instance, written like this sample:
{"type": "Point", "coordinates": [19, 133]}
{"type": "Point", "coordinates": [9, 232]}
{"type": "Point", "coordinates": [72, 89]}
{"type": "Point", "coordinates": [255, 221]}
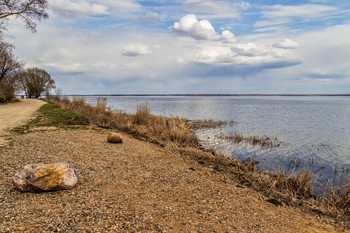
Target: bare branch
{"type": "Point", "coordinates": [28, 11]}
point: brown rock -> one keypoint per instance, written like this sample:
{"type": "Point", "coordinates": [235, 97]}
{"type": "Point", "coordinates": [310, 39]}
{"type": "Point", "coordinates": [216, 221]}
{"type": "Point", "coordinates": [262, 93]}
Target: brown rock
{"type": "Point", "coordinates": [114, 137]}
{"type": "Point", "coordinates": [45, 177]}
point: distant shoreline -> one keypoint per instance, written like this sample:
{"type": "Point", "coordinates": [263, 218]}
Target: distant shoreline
{"type": "Point", "coordinates": [205, 95]}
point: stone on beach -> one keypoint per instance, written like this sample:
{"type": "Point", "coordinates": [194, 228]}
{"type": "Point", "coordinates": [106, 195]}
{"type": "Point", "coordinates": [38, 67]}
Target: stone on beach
{"type": "Point", "coordinates": [114, 137]}
{"type": "Point", "coordinates": [45, 177]}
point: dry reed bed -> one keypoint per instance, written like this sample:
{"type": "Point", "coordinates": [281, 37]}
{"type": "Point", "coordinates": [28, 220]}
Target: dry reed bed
{"type": "Point", "coordinates": [263, 141]}
{"type": "Point", "coordinates": [280, 188]}
{"type": "Point", "coordinates": [200, 124]}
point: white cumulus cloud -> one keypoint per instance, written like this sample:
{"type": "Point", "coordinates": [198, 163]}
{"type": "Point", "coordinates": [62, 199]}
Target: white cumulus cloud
{"type": "Point", "coordinates": [286, 44]}
{"type": "Point", "coordinates": [201, 29]}
{"type": "Point", "coordinates": [227, 37]}
{"type": "Point", "coordinates": [134, 50]}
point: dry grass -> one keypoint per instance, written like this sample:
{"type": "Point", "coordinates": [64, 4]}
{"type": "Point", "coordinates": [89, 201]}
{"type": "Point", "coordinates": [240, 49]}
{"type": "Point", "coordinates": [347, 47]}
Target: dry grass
{"type": "Point", "coordinates": [297, 184]}
{"type": "Point", "coordinates": [210, 124]}
{"type": "Point", "coordinates": [280, 188]}
{"type": "Point", "coordinates": [287, 187]}
{"type": "Point", "coordinates": [290, 188]}
{"type": "Point", "coordinates": [263, 141]}
{"type": "Point", "coordinates": [142, 124]}
{"type": "Point", "coordinates": [336, 199]}
{"type": "Point", "coordinates": [143, 115]}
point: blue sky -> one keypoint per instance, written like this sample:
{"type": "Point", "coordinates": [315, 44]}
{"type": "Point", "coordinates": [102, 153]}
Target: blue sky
{"type": "Point", "coordinates": [191, 46]}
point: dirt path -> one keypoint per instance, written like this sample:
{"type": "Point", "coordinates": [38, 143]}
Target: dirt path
{"type": "Point", "coordinates": [14, 115]}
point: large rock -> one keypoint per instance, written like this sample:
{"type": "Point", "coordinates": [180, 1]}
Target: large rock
{"type": "Point", "coordinates": [45, 177]}
{"type": "Point", "coordinates": [114, 137]}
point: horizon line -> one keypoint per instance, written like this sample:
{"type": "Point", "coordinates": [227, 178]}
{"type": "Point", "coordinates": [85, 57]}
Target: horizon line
{"type": "Point", "coordinates": [121, 95]}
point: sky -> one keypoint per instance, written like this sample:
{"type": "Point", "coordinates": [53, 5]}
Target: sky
{"type": "Point", "coordinates": [191, 46]}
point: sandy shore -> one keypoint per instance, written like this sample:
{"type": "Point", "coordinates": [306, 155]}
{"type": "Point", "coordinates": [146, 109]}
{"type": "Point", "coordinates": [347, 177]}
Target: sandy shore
{"type": "Point", "coordinates": [134, 187]}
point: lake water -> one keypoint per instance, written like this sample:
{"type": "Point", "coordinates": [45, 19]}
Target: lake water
{"type": "Point", "coordinates": [314, 131]}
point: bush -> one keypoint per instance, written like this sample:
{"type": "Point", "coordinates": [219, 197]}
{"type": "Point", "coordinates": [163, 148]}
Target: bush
{"type": "Point", "coordinates": [7, 93]}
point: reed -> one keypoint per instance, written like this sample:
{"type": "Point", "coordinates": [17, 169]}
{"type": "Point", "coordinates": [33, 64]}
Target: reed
{"type": "Point", "coordinates": [297, 184]}
{"type": "Point", "coordinates": [143, 115]}
{"type": "Point", "coordinates": [337, 198]}
{"type": "Point", "coordinates": [263, 141]}
{"type": "Point", "coordinates": [210, 124]}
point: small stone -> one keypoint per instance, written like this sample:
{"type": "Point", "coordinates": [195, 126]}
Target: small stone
{"type": "Point", "coordinates": [45, 177]}
{"type": "Point", "coordinates": [114, 137]}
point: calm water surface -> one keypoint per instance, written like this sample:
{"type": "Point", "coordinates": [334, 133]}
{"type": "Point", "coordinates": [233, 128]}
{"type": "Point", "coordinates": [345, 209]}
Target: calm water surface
{"type": "Point", "coordinates": [315, 131]}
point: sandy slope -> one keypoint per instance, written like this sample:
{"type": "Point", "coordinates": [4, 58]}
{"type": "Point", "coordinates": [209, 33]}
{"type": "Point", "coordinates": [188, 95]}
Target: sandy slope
{"type": "Point", "coordinates": [134, 187]}
{"type": "Point", "coordinates": [13, 115]}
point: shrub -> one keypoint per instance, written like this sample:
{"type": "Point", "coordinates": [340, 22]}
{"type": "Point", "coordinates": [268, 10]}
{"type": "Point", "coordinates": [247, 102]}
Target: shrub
{"type": "Point", "coordinates": [7, 92]}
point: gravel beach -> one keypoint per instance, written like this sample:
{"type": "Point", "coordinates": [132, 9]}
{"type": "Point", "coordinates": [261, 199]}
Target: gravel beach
{"type": "Point", "coordinates": [135, 186]}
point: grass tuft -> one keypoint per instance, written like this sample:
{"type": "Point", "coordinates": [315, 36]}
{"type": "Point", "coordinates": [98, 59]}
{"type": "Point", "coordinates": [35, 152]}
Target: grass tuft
{"type": "Point", "coordinates": [338, 198]}
{"type": "Point", "coordinates": [263, 141]}
{"type": "Point", "coordinates": [209, 124]}
{"type": "Point", "coordinates": [143, 115]}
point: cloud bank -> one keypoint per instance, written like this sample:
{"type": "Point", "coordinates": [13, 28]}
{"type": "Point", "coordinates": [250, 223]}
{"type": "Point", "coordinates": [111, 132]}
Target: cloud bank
{"type": "Point", "coordinates": [212, 46]}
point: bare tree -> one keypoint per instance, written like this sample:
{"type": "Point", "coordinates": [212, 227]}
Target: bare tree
{"type": "Point", "coordinates": [10, 67]}
{"type": "Point", "coordinates": [28, 11]}
{"type": "Point", "coordinates": [35, 82]}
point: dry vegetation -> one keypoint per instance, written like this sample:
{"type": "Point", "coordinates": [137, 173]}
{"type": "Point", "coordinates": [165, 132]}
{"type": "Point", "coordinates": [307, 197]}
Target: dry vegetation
{"type": "Point", "coordinates": [281, 188]}
{"type": "Point", "coordinates": [337, 198]}
{"type": "Point", "coordinates": [210, 124]}
{"type": "Point", "coordinates": [263, 141]}
{"type": "Point", "coordinates": [142, 124]}
{"type": "Point", "coordinates": [6, 93]}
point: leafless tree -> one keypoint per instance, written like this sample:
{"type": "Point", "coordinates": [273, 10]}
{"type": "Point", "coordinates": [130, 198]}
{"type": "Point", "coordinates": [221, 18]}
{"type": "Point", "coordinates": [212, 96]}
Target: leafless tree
{"type": "Point", "coordinates": [10, 67]}
{"type": "Point", "coordinates": [35, 82]}
{"type": "Point", "coordinates": [28, 11]}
